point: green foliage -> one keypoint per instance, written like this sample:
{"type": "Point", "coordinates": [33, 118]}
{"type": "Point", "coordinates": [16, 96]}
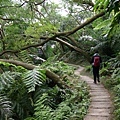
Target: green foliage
{"type": "Point", "coordinates": [107, 4]}
{"type": "Point", "coordinates": [111, 67]}
{"type": "Point", "coordinates": [111, 23]}
{"type": "Point", "coordinates": [12, 84]}
{"type": "Point", "coordinates": [29, 97]}
{"type": "Point", "coordinates": [88, 68]}
{"type": "Point", "coordinates": [100, 4]}
{"type": "Point", "coordinates": [114, 62]}
{"type": "Point", "coordinates": [74, 106]}
{"type": "Point", "coordinates": [115, 82]}
{"type": "Point", "coordinates": [87, 41]}
{"type": "Point", "coordinates": [109, 26]}
{"type": "Point", "coordinates": [58, 67]}
{"type": "Point", "coordinates": [42, 27]}
{"type": "Point", "coordinates": [114, 5]}
{"type": "Point", "coordinates": [5, 107]}
{"type": "Point", "coordinates": [105, 25]}
{"type": "Point", "coordinates": [116, 73]}
{"type": "Point", "coordinates": [104, 72]}
{"type": "Point", "coordinates": [10, 67]}
{"type": "Point", "coordinates": [13, 87]}
{"type": "Point", "coordinates": [112, 81]}
{"type": "Point", "coordinates": [34, 77]}
{"type": "Point", "coordinates": [23, 56]}
{"type": "Point", "coordinates": [115, 27]}
{"type": "Point", "coordinates": [117, 98]}
{"type": "Point", "coordinates": [49, 51]}
{"type": "Point", "coordinates": [42, 111]}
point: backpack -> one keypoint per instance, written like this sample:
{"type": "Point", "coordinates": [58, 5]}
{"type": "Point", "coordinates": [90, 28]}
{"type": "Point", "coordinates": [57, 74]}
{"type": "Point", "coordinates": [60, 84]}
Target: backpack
{"type": "Point", "coordinates": [96, 61]}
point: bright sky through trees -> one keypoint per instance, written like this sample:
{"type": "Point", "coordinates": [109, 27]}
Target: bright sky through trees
{"type": "Point", "coordinates": [59, 2]}
{"type": "Point", "coordinates": [62, 11]}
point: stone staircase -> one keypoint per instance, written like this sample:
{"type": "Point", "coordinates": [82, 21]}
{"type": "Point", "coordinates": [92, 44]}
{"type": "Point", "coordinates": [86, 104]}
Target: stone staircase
{"type": "Point", "coordinates": [101, 105]}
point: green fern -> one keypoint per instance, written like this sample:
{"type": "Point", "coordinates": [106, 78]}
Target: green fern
{"type": "Point", "coordinates": [62, 112]}
{"type": "Point", "coordinates": [8, 78]}
{"type": "Point", "coordinates": [54, 93]}
{"type": "Point", "coordinates": [59, 67]}
{"type": "Point", "coordinates": [99, 45]}
{"type": "Point", "coordinates": [11, 67]}
{"type": "Point", "coordinates": [5, 108]}
{"type": "Point", "coordinates": [43, 111]}
{"type": "Point", "coordinates": [13, 87]}
{"type": "Point", "coordinates": [34, 77]}
{"type": "Point", "coordinates": [33, 99]}
{"type": "Point", "coordinates": [116, 74]}
{"type": "Point", "coordinates": [23, 56]}
{"type": "Point", "coordinates": [114, 63]}
{"type": "Point", "coordinates": [6, 66]}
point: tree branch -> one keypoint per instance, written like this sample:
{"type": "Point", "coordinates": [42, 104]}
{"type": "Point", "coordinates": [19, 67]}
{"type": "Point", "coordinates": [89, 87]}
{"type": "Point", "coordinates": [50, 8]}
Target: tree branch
{"type": "Point", "coordinates": [10, 19]}
{"type": "Point", "coordinates": [88, 21]}
{"type": "Point", "coordinates": [60, 34]}
{"type": "Point", "coordinates": [75, 48]}
{"type": "Point", "coordinates": [40, 2]}
{"type": "Point", "coordinates": [90, 3]}
{"type": "Point", "coordinates": [56, 79]}
{"type": "Point", "coordinates": [29, 46]}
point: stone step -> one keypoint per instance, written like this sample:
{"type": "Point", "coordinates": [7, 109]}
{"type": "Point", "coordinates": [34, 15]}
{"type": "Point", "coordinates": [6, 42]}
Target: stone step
{"type": "Point", "coordinates": [101, 112]}
{"type": "Point", "coordinates": [90, 117]}
{"type": "Point", "coordinates": [99, 94]}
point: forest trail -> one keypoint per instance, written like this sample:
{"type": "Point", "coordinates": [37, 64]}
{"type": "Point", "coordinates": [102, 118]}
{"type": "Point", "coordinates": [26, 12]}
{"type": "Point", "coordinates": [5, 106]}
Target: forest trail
{"type": "Point", "coordinates": [101, 105]}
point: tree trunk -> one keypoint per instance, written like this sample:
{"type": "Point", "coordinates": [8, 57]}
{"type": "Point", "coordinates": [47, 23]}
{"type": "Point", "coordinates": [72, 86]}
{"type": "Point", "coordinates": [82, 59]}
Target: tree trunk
{"type": "Point", "coordinates": [56, 79]}
{"type": "Point", "coordinates": [75, 48]}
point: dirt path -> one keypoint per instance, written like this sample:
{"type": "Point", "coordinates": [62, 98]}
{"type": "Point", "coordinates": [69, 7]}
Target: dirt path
{"type": "Point", "coordinates": [101, 105]}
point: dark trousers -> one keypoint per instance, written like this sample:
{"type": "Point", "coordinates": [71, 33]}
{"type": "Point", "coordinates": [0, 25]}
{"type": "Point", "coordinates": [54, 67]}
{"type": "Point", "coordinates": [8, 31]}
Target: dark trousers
{"type": "Point", "coordinates": [96, 73]}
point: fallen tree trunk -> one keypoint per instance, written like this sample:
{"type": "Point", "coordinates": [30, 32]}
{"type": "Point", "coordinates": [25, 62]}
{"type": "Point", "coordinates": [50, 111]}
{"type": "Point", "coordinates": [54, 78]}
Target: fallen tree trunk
{"type": "Point", "coordinates": [75, 48]}
{"type": "Point", "coordinates": [56, 79]}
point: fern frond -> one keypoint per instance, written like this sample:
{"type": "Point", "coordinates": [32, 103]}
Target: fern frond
{"type": "Point", "coordinates": [5, 107]}
{"type": "Point", "coordinates": [7, 78]}
{"type": "Point", "coordinates": [100, 45]}
{"type": "Point", "coordinates": [39, 91]}
{"type": "Point", "coordinates": [62, 112]}
{"type": "Point", "coordinates": [43, 111]}
{"type": "Point", "coordinates": [34, 77]}
{"type": "Point", "coordinates": [23, 56]}
{"type": "Point", "coordinates": [114, 62]}
{"type": "Point", "coordinates": [116, 74]}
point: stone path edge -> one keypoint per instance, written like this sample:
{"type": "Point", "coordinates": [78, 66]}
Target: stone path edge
{"type": "Point", "coordinates": [101, 106]}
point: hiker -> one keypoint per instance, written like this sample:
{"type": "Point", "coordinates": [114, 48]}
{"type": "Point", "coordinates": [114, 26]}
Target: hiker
{"type": "Point", "coordinates": [95, 61]}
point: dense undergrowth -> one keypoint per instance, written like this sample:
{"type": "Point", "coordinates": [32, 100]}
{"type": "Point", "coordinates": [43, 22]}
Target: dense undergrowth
{"type": "Point", "coordinates": [111, 80]}
{"type": "Point", "coordinates": [30, 95]}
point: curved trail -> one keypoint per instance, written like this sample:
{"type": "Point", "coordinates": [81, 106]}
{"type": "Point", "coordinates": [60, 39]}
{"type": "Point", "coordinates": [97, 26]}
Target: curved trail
{"type": "Point", "coordinates": [101, 105]}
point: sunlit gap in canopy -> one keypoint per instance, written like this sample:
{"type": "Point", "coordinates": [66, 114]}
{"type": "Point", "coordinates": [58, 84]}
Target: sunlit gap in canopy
{"type": "Point", "coordinates": [61, 10]}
